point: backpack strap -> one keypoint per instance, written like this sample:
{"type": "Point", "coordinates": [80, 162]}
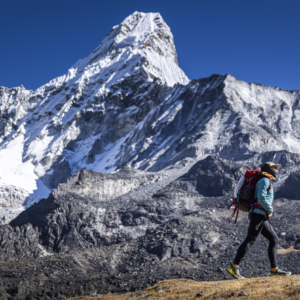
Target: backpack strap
{"type": "Point", "coordinates": [270, 186]}
{"type": "Point", "coordinates": [234, 200]}
{"type": "Point", "coordinates": [236, 210]}
{"type": "Point", "coordinates": [257, 205]}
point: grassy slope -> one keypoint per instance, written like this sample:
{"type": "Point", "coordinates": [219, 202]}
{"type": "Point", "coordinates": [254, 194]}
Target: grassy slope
{"type": "Point", "coordinates": [254, 288]}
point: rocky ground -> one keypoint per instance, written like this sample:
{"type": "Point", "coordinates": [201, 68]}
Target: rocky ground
{"type": "Point", "coordinates": [197, 247]}
{"type": "Point", "coordinates": [88, 238]}
{"type": "Point", "coordinates": [128, 268]}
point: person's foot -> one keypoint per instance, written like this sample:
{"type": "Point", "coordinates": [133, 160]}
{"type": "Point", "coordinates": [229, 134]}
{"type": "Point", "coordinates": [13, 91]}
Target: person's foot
{"type": "Point", "coordinates": [234, 272]}
{"type": "Point", "coordinates": [280, 272]}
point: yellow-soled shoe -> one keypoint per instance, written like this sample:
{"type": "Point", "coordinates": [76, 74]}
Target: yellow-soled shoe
{"type": "Point", "coordinates": [280, 272]}
{"type": "Point", "coordinates": [234, 272]}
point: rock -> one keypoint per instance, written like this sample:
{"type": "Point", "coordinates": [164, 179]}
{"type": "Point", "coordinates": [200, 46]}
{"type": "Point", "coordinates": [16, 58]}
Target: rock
{"type": "Point", "coordinates": [19, 242]}
{"type": "Point", "coordinates": [207, 176]}
{"type": "Point", "coordinates": [79, 220]}
{"type": "Point", "coordinates": [61, 297]}
{"type": "Point", "coordinates": [200, 294]}
{"type": "Point", "coordinates": [290, 189]}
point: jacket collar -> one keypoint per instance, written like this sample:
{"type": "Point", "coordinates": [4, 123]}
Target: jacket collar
{"type": "Point", "coordinates": [272, 178]}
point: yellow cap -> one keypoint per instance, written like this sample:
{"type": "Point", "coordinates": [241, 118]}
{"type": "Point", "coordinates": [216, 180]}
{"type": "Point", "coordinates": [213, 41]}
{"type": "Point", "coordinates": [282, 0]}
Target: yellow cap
{"type": "Point", "coordinates": [271, 164]}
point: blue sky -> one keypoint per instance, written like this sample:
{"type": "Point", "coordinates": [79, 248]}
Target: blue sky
{"type": "Point", "coordinates": [253, 40]}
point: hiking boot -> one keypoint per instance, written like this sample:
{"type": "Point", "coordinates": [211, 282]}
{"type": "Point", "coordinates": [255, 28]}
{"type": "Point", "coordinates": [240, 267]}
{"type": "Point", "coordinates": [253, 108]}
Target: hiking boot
{"type": "Point", "coordinates": [280, 272]}
{"type": "Point", "coordinates": [234, 272]}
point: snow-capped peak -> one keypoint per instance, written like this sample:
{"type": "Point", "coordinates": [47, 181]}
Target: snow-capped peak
{"type": "Point", "coordinates": [142, 44]}
{"type": "Point", "coordinates": [145, 31]}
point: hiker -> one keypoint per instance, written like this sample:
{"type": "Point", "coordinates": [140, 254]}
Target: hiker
{"type": "Point", "coordinates": [259, 222]}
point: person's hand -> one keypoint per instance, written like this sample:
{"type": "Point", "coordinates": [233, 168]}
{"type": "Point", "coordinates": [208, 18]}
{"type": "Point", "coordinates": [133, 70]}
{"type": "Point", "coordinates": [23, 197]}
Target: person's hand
{"type": "Point", "coordinates": [269, 215]}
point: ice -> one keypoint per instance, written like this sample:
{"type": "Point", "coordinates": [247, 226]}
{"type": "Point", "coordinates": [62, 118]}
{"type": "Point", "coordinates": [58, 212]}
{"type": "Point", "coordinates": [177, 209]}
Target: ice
{"type": "Point", "coordinates": [20, 174]}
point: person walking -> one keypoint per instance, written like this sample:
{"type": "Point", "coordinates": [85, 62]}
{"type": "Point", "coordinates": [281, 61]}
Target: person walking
{"type": "Point", "coordinates": [259, 222]}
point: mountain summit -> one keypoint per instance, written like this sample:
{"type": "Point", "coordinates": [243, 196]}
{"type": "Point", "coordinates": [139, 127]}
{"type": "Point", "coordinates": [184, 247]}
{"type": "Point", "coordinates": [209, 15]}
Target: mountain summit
{"type": "Point", "coordinates": [142, 45]}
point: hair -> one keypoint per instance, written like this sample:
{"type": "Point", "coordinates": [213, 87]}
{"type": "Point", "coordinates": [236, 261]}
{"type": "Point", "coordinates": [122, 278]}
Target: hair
{"type": "Point", "coordinates": [268, 169]}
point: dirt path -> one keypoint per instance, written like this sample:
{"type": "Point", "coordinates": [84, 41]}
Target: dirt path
{"type": "Point", "coordinates": [284, 251]}
{"type": "Point", "coordinates": [265, 288]}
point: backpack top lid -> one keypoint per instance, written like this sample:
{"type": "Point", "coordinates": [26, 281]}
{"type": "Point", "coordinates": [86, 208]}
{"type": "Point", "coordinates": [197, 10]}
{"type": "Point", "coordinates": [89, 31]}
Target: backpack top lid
{"type": "Point", "coordinates": [249, 174]}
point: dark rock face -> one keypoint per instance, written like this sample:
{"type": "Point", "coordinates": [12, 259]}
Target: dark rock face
{"type": "Point", "coordinates": [78, 216]}
{"type": "Point", "coordinates": [285, 158]}
{"type": "Point", "coordinates": [19, 242]}
{"type": "Point", "coordinates": [290, 189]}
{"type": "Point", "coordinates": [214, 177]}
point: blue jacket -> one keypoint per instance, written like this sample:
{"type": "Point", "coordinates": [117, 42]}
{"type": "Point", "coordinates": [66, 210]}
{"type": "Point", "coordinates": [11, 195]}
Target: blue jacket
{"type": "Point", "coordinates": [264, 197]}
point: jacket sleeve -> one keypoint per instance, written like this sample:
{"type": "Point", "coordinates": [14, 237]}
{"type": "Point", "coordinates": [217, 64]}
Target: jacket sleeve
{"type": "Point", "coordinates": [262, 196]}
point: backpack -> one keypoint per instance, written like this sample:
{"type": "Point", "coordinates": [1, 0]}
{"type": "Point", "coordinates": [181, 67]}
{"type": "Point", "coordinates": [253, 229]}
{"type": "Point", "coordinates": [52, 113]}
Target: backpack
{"type": "Point", "coordinates": [244, 200]}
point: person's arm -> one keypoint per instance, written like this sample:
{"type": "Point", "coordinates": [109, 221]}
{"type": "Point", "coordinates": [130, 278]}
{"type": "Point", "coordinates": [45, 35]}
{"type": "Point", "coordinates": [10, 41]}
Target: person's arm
{"type": "Point", "coordinates": [262, 196]}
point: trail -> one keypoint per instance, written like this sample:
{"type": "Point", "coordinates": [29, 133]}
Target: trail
{"type": "Point", "coordinates": [266, 288]}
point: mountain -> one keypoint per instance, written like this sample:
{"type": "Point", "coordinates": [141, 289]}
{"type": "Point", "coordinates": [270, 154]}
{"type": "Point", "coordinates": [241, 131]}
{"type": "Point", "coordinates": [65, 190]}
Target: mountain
{"type": "Point", "coordinates": [128, 104]}
{"type": "Point", "coordinates": [119, 173]}
{"type": "Point", "coordinates": [79, 120]}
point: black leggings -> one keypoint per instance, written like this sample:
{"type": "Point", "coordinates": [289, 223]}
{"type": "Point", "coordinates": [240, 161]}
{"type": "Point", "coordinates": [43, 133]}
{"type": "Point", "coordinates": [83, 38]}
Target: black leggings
{"type": "Point", "coordinates": [259, 224]}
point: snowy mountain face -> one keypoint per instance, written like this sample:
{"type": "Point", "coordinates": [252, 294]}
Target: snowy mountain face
{"type": "Point", "coordinates": [79, 119]}
{"type": "Point", "coordinates": [128, 104]}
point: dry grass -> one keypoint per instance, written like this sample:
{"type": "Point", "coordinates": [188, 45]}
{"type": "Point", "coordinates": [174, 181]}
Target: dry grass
{"type": "Point", "coordinates": [265, 288]}
{"type": "Point", "coordinates": [284, 251]}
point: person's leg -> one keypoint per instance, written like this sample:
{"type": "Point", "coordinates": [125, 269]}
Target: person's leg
{"type": "Point", "coordinates": [255, 227]}
{"type": "Point", "coordinates": [269, 233]}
